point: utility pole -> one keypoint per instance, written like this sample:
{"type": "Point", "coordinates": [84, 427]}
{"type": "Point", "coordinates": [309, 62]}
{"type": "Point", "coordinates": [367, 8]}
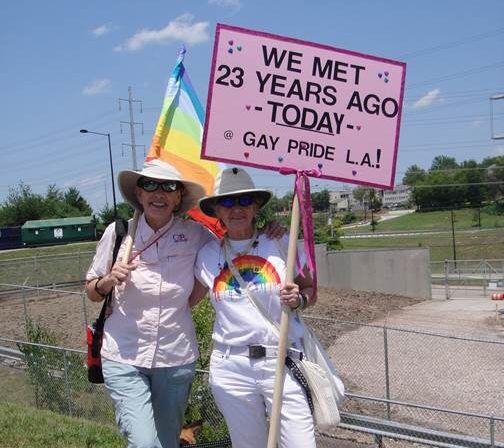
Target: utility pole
{"type": "Point", "coordinates": [453, 239]}
{"type": "Point", "coordinates": [494, 134]}
{"type": "Point", "coordinates": [132, 124]}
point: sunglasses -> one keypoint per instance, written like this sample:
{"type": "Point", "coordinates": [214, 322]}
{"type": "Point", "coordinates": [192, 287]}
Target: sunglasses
{"type": "Point", "coordinates": [150, 185]}
{"type": "Point", "coordinates": [245, 200]}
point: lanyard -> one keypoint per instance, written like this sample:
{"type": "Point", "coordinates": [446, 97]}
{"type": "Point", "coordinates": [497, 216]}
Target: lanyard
{"type": "Point", "coordinates": [155, 240]}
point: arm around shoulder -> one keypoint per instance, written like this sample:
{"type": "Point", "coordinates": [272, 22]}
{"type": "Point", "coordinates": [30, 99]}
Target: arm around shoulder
{"type": "Point", "coordinates": [305, 284]}
{"type": "Point", "coordinates": [198, 293]}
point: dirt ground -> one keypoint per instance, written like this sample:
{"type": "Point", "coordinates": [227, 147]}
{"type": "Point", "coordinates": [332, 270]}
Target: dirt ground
{"type": "Point", "coordinates": [65, 315]}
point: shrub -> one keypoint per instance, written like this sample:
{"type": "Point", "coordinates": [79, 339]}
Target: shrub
{"type": "Point", "coordinates": [55, 374]}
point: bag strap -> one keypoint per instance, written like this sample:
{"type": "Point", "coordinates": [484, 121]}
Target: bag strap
{"type": "Point", "coordinates": [121, 229]}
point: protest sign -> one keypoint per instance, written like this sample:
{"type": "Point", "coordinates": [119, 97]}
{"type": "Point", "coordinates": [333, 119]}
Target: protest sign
{"type": "Point", "coordinates": [276, 102]}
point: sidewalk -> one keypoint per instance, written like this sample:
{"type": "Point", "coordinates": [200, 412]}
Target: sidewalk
{"type": "Point", "coordinates": [466, 313]}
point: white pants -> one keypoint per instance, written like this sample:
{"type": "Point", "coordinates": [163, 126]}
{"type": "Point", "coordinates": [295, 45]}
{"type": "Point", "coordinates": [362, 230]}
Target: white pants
{"type": "Point", "coordinates": [243, 390]}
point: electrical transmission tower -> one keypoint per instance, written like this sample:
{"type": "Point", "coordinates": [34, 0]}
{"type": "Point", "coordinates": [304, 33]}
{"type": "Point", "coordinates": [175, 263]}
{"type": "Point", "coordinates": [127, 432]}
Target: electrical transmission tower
{"type": "Point", "coordinates": [132, 124]}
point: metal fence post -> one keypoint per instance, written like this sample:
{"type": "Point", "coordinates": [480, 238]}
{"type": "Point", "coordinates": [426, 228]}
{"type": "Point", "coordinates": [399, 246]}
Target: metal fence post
{"type": "Point", "coordinates": [492, 431]}
{"type": "Point", "coordinates": [446, 273]}
{"type": "Point", "coordinates": [67, 383]}
{"type": "Point", "coordinates": [387, 371]}
{"type": "Point", "coordinates": [79, 273]}
{"type": "Point", "coordinates": [84, 307]}
{"type": "Point", "coordinates": [37, 281]}
{"type": "Point", "coordinates": [485, 277]}
{"type": "Point", "coordinates": [25, 306]}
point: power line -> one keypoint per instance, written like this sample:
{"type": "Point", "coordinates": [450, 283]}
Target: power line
{"type": "Point", "coordinates": [452, 44]}
{"type": "Point", "coordinates": [456, 75]}
{"type": "Point", "coordinates": [458, 184]}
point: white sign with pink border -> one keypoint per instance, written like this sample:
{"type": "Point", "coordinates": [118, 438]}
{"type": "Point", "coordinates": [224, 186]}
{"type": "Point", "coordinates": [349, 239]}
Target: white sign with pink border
{"type": "Point", "coordinates": [276, 102]}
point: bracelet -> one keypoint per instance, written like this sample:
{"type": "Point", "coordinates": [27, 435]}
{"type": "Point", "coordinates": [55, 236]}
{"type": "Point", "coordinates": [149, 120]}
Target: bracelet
{"type": "Point", "coordinates": [97, 290]}
{"type": "Point", "coordinates": [303, 301]}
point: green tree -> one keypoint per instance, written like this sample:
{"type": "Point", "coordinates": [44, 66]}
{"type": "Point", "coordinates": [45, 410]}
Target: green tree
{"type": "Point", "coordinates": [320, 201]}
{"type": "Point", "coordinates": [413, 175]}
{"type": "Point", "coordinates": [74, 199]}
{"type": "Point", "coordinates": [124, 211]}
{"type": "Point", "coordinates": [494, 172]}
{"type": "Point", "coordinates": [21, 205]}
{"type": "Point", "coordinates": [444, 163]}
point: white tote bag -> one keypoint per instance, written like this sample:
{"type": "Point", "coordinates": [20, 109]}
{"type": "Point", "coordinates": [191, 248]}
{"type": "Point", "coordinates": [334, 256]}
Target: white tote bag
{"type": "Point", "coordinates": [328, 391]}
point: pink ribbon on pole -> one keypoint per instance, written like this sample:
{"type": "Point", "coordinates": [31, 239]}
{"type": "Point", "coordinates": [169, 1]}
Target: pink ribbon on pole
{"type": "Point", "coordinates": [302, 191]}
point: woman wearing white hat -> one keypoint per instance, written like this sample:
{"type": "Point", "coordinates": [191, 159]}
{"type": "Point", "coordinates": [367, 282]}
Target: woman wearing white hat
{"type": "Point", "coordinates": [244, 273]}
{"type": "Point", "coordinates": [149, 345]}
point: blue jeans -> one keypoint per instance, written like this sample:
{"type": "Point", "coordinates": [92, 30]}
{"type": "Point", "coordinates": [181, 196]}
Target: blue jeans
{"type": "Point", "coordinates": [149, 403]}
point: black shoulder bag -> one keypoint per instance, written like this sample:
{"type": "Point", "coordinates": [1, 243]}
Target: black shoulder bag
{"type": "Point", "coordinates": [94, 332]}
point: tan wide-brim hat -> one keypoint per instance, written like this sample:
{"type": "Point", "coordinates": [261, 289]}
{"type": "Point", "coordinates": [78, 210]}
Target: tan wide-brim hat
{"type": "Point", "coordinates": [159, 170]}
{"type": "Point", "coordinates": [233, 182]}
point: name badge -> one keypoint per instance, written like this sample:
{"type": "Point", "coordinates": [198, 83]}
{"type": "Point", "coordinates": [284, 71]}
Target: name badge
{"type": "Point", "coordinates": [179, 238]}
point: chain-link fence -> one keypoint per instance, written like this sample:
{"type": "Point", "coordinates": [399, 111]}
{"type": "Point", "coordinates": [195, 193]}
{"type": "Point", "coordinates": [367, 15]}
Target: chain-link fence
{"type": "Point", "coordinates": [55, 378]}
{"type": "Point", "coordinates": [414, 382]}
{"type": "Point", "coordinates": [438, 382]}
{"type": "Point", "coordinates": [44, 271]}
{"type": "Point", "coordinates": [411, 379]}
{"type": "Point", "coordinates": [468, 277]}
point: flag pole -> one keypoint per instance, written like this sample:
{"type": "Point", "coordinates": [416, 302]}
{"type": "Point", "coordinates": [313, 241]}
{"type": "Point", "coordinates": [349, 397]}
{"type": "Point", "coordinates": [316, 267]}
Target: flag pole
{"type": "Point", "coordinates": [130, 237]}
{"type": "Point", "coordinates": [284, 329]}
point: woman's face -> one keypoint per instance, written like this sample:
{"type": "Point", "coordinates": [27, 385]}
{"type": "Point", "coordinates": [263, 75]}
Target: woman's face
{"type": "Point", "coordinates": [158, 205]}
{"type": "Point", "coordinates": [237, 218]}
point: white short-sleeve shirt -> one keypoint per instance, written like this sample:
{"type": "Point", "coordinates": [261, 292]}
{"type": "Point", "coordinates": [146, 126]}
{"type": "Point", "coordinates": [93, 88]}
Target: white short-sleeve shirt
{"type": "Point", "coordinates": [151, 323]}
{"type": "Point", "coordinates": [238, 322]}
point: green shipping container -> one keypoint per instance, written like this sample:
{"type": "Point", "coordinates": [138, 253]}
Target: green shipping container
{"type": "Point", "coordinates": [43, 232]}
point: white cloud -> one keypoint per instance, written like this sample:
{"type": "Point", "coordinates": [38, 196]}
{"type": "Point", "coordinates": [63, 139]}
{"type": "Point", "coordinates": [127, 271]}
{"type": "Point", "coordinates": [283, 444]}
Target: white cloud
{"type": "Point", "coordinates": [101, 30]}
{"type": "Point", "coordinates": [97, 87]}
{"type": "Point", "coordinates": [180, 29]}
{"type": "Point", "coordinates": [226, 3]}
{"type": "Point", "coordinates": [427, 99]}
{"type": "Point", "coordinates": [499, 150]}
{"type": "Point", "coordinates": [477, 123]}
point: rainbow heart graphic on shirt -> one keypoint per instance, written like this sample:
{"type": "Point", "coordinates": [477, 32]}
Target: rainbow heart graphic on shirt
{"type": "Point", "coordinates": [252, 268]}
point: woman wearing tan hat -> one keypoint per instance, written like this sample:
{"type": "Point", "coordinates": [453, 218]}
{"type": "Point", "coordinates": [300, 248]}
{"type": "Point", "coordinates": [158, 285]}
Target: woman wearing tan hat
{"type": "Point", "coordinates": [149, 345]}
{"type": "Point", "coordinates": [246, 277]}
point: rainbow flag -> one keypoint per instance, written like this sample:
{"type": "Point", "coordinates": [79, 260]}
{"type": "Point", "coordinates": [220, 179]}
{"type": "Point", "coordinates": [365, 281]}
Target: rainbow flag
{"type": "Point", "coordinates": [178, 134]}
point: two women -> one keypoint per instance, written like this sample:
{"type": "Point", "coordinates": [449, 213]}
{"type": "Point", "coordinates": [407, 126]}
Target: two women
{"type": "Point", "coordinates": [245, 274]}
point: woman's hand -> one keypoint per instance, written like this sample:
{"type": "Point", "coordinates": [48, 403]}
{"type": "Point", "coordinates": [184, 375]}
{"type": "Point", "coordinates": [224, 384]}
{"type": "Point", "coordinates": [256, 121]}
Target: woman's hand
{"type": "Point", "coordinates": [119, 274]}
{"type": "Point", "coordinates": [289, 295]}
{"type": "Point", "coordinates": [98, 288]}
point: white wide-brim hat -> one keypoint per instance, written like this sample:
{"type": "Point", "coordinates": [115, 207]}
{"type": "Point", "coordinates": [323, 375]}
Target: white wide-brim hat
{"type": "Point", "coordinates": [159, 170]}
{"type": "Point", "coordinates": [233, 182]}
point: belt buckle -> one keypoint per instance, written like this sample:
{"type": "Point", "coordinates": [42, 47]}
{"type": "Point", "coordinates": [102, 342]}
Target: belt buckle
{"type": "Point", "coordinates": [257, 351]}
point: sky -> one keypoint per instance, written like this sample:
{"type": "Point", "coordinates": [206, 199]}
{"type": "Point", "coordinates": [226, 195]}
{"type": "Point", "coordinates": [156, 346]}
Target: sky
{"type": "Point", "coordinates": [64, 65]}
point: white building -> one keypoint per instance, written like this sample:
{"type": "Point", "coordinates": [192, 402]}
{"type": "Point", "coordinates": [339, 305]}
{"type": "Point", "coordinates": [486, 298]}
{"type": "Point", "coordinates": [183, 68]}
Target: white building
{"type": "Point", "coordinates": [400, 195]}
{"type": "Point", "coordinates": [341, 200]}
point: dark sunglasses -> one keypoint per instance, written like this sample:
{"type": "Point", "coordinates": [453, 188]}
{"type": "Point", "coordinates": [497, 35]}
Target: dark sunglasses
{"type": "Point", "coordinates": [245, 200]}
{"type": "Point", "coordinates": [150, 185]}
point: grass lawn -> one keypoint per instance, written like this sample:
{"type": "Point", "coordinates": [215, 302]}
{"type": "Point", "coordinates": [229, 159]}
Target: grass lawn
{"type": "Point", "coordinates": [48, 250]}
{"type": "Point", "coordinates": [465, 219]}
{"type": "Point", "coordinates": [25, 427]}
{"type": "Point", "coordinates": [469, 246]}
{"type": "Point", "coordinates": [15, 387]}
